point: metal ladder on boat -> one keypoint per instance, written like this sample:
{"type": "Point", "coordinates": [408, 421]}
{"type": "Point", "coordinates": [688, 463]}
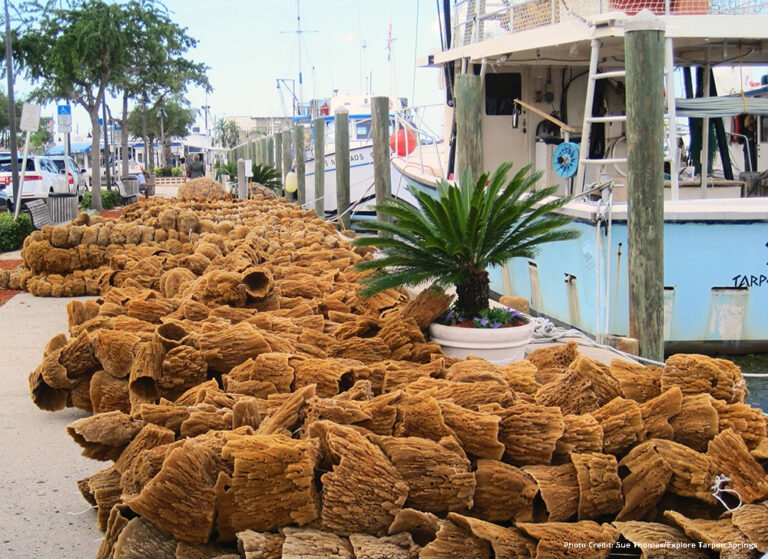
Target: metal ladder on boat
{"type": "Point", "coordinates": [584, 160]}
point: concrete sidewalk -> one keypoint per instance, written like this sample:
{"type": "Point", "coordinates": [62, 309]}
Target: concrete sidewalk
{"type": "Point", "coordinates": [39, 463]}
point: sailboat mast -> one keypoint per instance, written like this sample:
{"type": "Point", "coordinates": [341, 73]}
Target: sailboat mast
{"type": "Point", "coordinates": [298, 37]}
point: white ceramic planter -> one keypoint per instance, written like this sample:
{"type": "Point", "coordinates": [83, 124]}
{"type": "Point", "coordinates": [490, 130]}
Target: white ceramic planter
{"type": "Point", "coordinates": [498, 345]}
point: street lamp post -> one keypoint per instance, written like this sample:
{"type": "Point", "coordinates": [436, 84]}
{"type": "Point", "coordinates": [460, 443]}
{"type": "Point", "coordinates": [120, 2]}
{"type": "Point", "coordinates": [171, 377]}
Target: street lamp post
{"type": "Point", "coordinates": [206, 108]}
{"type": "Point", "coordinates": [161, 114]}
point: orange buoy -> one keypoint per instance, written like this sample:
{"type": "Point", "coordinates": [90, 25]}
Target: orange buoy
{"type": "Point", "coordinates": [403, 142]}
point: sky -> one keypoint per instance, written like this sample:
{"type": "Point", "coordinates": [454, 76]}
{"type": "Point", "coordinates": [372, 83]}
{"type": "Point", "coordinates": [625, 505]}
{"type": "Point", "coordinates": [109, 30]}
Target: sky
{"type": "Point", "coordinates": [249, 44]}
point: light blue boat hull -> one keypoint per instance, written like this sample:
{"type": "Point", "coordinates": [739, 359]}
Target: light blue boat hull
{"type": "Point", "coordinates": [715, 278]}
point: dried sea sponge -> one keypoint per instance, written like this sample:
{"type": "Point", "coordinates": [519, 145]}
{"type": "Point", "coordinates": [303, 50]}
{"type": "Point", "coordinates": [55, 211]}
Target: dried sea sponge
{"type": "Point", "coordinates": [105, 435]}
{"type": "Point", "coordinates": [114, 350]}
{"type": "Point", "coordinates": [746, 421]}
{"type": "Point", "coordinates": [108, 393]}
{"type": "Point", "coordinates": [581, 433]}
{"type": "Point", "coordinates": [696, 374]}
{"type": "Point", "coordinates": [658, 410]}
{"type": "Point", "coordinates": [423, 526]}
{"type": "Point", "coordinates": [647, 481]}
{"type": "Point", "coordinates": [731, 456]}
{"type": "Point", "coordinates": [453, 540]}
{"type": "Point", "coordinates": [600, 490]}
{"type": "Point", "coordinates": [438, 475]}
{"type": "Point", "coordinates": [529, 432]}
{"type": "Point", "coordinates": [182, 368]}
{"type": "Point", "coordinates": [272, 484]}
{"type": "Point", "coordinates": [660, 540]}
{"type": "Point", "coordinates": [308, 543]}
{"type": "Point", "coordinates": [697, 422]}
{"type": "Point", "coordinates": [559, 489]}
{"type": "Point", "coordinates": [693, 473]}
{"type": "Point", "coordinates": [228, 347]}
{"type": "Point", "coordinates": [570, 540]}
{"type": "Point", "coordinates": [363, 490]}
{"type": "Point", "coordinates": [504, 493]}
{"type": "Point", "coordinates": [570, 392]}
{"type": "Point", "coordinates": [420, 416]}
{"type": "Point", "coordinates": [622, 424]}
{"type": "Point", "coordinates": [638, 382]}
{"type": "Point", "coordinates": [752, 520]}
{"type": "Point", "coordinates": [399, 546]}
{"type": "Point", "coordinates": [554, 357]}
{"type": "Point", "coordinates": [180, 498]}
{"type": "Point", "coordinates": [477, 431]}
{"type": "Point", "coordinates": [257, 545]}
{"type": "Point", "coordinates": [505, 542]}
{"type": "Point", "coordinates": [720, 535]}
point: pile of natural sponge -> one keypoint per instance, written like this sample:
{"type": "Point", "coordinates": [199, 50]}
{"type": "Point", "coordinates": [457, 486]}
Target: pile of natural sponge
{"type": "Point", "coordinates": [250, 403]}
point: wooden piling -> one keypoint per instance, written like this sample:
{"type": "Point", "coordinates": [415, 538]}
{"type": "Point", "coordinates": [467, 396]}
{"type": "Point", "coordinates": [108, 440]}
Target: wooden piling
{"type": "Point", "coordinates": [644, 48]}
{"type": "Point", "coordinates": [318, 128]}
{"type": "Point", "coordinates": [287, 160]}
{"type": "Point", "coordinates": [301, 178]}
{"type": "Point", "coordinates": [271, 150]}
{"type": "Point", "coordinates": [242, 181]}
{"type": "Point", "coordinates": [469, 137]}
{"type": "Point", "coordinates": [382, 173]}
{"type": "Point", "coordinates": [279, 157]}
{"type": "Point", "coordinates": [342, 166]}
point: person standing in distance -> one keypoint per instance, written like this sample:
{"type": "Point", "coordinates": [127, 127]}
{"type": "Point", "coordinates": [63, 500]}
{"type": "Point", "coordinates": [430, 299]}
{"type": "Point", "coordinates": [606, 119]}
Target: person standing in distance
{"type": "Point", "coordinates": [195, 168]}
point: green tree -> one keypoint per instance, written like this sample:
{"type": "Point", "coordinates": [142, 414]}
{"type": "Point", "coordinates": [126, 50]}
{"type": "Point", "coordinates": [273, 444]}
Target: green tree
{"type": "Point", "coordinates": [41, 137]}
{"type": "Point", "coordinates": [226, 132]}
{"type": "Point", "coordinates": [178, 122]}
{"type": "Point", "coordinates": [72, 52]}
{"type": "Point", "coordinates": [4, 116]}
{"type": "Point", "coordinates": [156, 70]}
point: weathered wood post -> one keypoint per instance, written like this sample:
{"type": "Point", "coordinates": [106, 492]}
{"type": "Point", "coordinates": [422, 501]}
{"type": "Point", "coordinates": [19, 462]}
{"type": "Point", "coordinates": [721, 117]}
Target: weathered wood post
{"type": "Point", "coordinates": [342, 166]}
{"type": "Point", "coordinates": [287, 160]}
{"type": "Point", "coordinates": [301, 177]}
{"type": "Point", "coordinates": [271, 150]}
{"type": "Point", "coordinates": [469, 137]}
{"type": "Point", "coordinates": [382, 174]}
{"type": "Point", "coordinates": [644, 47]}
{"type": "Point", "coordinates": [319, 149]}
{"type": "Point", "coordinates": [242, 181]}
{"type": "Point", "coordinates": [279, 157]}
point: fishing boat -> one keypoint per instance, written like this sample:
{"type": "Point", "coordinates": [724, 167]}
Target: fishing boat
{"type": "Point", "coordinates": [362, 190]}
{"type": "Point", "coordinates": [554, 97]}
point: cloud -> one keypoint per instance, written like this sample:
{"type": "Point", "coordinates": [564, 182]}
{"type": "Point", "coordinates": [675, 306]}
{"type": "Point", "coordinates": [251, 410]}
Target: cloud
{"type": "Point", "coordinates": [346, 38]}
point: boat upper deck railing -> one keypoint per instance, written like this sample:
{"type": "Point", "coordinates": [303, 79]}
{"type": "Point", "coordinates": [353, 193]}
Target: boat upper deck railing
{"type": "Point", "coordinates": [474, 21]}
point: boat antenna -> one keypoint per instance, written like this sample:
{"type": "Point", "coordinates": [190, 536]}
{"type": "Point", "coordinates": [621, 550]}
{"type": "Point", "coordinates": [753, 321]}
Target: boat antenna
{"type": "Point", "coordinates": [299, 31]}
{"type": "Point", "coordinates": [391, 58]}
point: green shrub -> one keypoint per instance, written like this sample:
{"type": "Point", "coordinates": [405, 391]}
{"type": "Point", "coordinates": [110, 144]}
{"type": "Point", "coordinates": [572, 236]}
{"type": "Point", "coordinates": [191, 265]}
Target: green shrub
{"type": "Point", "coordinates": [14, 231]}
{"type": "Point", "coordinates": [158, 171]}
{"type": "Point", "coordinates": [109, 199]}
{"type": "Point", "coordinates": [176, 172]}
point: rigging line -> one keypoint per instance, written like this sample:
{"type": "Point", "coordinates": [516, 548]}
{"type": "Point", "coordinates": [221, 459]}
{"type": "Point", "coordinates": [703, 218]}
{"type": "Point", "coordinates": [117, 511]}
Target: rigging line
{"type": "Point", "coordinates": [415, 53]}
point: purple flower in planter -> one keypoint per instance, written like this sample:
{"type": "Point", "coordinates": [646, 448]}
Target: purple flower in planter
{"type": "Point", "coordinates": [483, 322]}
{"type": "Point", "coordinates": [496, 325]}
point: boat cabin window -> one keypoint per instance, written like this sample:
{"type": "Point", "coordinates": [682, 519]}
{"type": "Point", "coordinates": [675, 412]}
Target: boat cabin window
{"type": "Point", "coordinates": [363, 130]}
{"type": "Point", "coordinates": [501, 90]}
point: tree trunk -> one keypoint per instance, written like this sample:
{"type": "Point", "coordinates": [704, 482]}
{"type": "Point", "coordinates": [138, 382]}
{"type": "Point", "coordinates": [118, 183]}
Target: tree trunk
{"type": "Point", "coordinates": [145, 138]}
{"type": "Point", "coordinates": [95, 158]}
{"type": "Point", "coordinates": [167, 151]}
{"type": "Point", "coordinates": [124, 136]}
{"type": "Point", "coordinates": [473, 295]}
{"type": "Point", "coordinates": [151, 160]}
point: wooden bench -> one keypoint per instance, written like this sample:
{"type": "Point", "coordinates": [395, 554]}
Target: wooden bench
{"type": "Point", "coordinates": [38, 211]}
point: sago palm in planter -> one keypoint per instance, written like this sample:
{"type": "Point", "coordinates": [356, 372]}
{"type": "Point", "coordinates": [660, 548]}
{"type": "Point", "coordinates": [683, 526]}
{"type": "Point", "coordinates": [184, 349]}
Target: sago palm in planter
{"type": "Point", "coordinates": [453, 237]}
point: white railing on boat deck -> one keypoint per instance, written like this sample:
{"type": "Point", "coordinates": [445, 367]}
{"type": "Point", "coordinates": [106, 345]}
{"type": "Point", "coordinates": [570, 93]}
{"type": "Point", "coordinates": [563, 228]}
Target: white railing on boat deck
{"type": "Point", "coordinates": [473, 21]}
{"type": "Point", "coordinates": [426, 158]}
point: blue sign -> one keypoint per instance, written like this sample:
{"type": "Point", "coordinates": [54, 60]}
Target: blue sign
{"type": "Point", "coordinates": [101, 122]}
{"type": "Point", "coordinates": [64, 109]}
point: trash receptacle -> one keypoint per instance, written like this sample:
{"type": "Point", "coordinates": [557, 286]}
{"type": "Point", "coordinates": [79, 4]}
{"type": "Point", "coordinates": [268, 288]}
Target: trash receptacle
{"type": "Point", "coordinates": [129, 191]}
{"type": "Point", "coordinates": [62, 206]}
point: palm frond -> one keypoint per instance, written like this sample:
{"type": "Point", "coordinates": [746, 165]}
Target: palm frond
{"type": "Point", "coordinates": [463, 228]}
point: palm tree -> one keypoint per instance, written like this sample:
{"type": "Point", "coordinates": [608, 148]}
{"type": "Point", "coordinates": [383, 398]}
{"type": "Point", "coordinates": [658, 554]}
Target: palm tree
{"type": "Point", "coordinates": [452, 238]}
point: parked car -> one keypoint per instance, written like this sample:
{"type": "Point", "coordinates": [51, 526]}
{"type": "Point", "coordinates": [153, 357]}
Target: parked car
{"type": "Point", "coordinates": [40, 178]}
{"type": "Point", "coordinates": [75, 172]}
{"type": "Point", "coordinates": [134, 167]}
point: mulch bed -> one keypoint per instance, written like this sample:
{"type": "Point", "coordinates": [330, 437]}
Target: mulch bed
{"type": "Point", "coordinates": [110, 213]}
{"type": "Point", "coordinates": [6, 294]}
